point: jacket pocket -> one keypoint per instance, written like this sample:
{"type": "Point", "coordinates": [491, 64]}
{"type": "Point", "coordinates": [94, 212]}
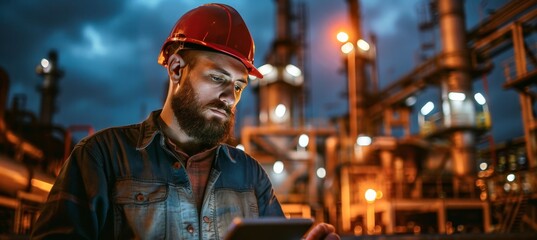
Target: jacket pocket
{"type": "Point", "coordinates": [140, 209]}
{"type": "Point", "coordinates": [231, 204]}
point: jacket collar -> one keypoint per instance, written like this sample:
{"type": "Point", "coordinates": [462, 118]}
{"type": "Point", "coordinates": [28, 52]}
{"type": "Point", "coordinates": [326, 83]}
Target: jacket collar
{"type": "Point", "coordinates": [149, 128]}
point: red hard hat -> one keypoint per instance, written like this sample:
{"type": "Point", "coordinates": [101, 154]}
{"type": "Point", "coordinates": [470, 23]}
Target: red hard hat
{"type": "Point", "coordinates": [218, 27]}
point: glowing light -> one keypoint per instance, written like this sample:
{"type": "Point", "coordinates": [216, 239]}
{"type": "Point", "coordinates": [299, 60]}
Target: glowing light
{"type": "Point", "coordinates": [321, 172]}
{"type": "Point", "coordinates": [483, 166]}
{"type": "Point", "coordinates": [265, 69]}
{"type": "Point", "coordinates": [507, 187]}
{"type": "Point", "coordinates": [410, 101]}
{"type": "Point", "coordinates": [483, 196]}
{"type": "Point", "coordinates": [363, 45]}
{"type": "Point", "coordinates": [379, 194]}
{"type": "Point", "coordinates": [45, 186]}
{"type": "Point", "coordinates": [293, 70]}
{"type": "Point", "coordinates": [456, 96]}
{"type": "Point", "coordinates": [303, 140]}
{"type": "Point", "coordinates": [480, 99]}
{"type": "Point", "coordinates": [240, 146]}
{"type": "Point", "coordinates": [363, 140]}
{"type": "Point", "coordinates": [278, 167]}
{"type": "Point", "coordinates": [280, 110]}
{"type": "Point", "coordinates": [342, 37]}
{"type": "Point", "coordinates": [370, 195]}
{"type": "Point", "coordinates": [510, 177]}
{"type": "Point", "coordinates": [45, 63]}
{"type": "Point", "coordinates": [427, 108]}
{"type": "Point", "coordinates": [347, 48]}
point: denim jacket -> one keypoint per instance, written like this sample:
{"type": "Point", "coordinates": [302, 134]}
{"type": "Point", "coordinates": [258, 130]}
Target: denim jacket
{"type": "Point", "coordinates": [124, 183]}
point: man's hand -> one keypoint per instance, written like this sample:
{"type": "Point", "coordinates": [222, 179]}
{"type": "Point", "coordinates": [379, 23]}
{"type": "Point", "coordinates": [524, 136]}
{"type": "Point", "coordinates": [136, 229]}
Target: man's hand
{"type": "Point", "coordinates": [323, 231]}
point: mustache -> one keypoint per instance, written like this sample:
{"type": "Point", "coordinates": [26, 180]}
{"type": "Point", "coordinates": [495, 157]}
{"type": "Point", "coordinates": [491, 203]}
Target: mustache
{"type": "Point", "coordinates": [221, 105]}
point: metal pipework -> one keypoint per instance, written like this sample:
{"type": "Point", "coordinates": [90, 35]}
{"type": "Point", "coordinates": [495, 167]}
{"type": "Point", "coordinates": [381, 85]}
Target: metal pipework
{"type": "Point", "coordinates": [17, 176]}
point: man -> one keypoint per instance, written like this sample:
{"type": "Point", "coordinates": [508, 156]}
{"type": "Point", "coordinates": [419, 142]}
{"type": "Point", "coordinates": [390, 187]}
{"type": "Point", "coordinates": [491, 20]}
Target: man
{"type": "Point", "coordinates": [171, 176]}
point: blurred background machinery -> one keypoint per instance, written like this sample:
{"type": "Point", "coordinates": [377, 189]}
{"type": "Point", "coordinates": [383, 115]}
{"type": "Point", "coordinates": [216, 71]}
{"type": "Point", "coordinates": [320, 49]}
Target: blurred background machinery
{"type": "Point", "coordinates": [366, 172]}
{"type": "Point", "coordinates": [32, 149]}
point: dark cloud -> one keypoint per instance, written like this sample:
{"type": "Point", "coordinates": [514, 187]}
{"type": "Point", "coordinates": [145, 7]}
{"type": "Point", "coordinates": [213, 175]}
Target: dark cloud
{"type": "Point", "coordinates": [398, 50]}
{"type": "Point", "coordinates": [108, 50]}
{"type": "Point", "coordinates": [29, 23]}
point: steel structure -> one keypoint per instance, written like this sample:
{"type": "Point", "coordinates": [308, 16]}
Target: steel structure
{"type": "Point", "coordinates": [431, 175]}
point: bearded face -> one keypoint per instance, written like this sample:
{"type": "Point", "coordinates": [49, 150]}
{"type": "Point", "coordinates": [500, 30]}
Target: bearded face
{"type": "Point", "coordinates": [189, 113]}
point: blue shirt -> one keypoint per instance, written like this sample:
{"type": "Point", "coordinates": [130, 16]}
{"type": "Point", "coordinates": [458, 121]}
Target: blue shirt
{"type": "Point", "coordinates": [124, 183]}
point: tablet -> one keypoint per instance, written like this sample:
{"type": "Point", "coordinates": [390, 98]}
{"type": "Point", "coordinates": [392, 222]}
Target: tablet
{"type": "Point", "coordinates": [268, 228]}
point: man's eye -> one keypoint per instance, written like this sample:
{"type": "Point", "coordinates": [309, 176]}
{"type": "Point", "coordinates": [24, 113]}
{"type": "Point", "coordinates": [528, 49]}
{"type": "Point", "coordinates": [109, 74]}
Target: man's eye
{"type": "Point", "coordinates": [238, 88]}
{"type": "Point", "coordinates": [217, 79]}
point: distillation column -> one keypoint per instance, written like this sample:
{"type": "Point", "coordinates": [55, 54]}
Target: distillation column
{"type": "Point", "coordinates": [49, 90]}
{"type": "Point", "coordinates": [358, 119]}
{"type": "Point", "coordinates": [456, 84]}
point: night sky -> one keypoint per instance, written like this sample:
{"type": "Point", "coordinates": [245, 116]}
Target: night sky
{"type": "Point", "coordinates": [108, 50]}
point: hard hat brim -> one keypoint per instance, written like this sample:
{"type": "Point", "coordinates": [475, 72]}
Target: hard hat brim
{"type": "Point", "coordinates": [252, 70]}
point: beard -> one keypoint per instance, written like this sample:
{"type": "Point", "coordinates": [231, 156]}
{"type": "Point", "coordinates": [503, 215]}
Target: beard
{"type": "Point", "coordinates": [188, 112]}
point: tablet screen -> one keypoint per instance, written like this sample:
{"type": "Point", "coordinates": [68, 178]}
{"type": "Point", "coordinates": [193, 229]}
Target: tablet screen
{"type": "Point", "coordinates": [268, 228]}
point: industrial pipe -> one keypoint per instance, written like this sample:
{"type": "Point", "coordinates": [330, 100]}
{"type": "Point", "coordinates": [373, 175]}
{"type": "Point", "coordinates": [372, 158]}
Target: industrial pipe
{"type": "Point", "coordinates": [17, 177]}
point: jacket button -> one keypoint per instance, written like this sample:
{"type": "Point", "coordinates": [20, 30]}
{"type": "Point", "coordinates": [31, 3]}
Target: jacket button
{"type": "Point", "coordinates": [140, 197]}
{"type": "Point", "coordinates": [190, 229]}
{"type": "Point", "coordinates": [176, 165]}
{"type": "Point", "coordinates": [206, 219]}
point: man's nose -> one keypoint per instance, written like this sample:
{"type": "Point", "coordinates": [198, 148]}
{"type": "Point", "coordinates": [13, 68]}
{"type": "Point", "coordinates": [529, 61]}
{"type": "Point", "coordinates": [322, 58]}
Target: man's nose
{"type": "Point", "coordinates": [228, 94]}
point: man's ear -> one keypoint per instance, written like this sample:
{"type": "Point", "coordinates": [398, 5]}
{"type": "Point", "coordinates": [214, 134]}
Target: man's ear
{"type": "Point", "coordinates": [176, 64]}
